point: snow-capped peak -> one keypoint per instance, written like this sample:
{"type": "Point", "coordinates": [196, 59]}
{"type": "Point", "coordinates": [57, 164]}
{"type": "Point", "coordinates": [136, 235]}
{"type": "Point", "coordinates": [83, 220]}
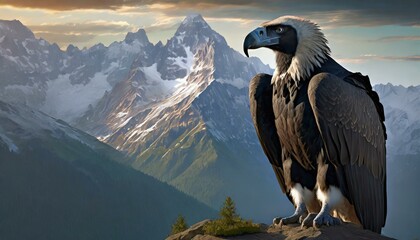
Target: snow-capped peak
{"type": "Point", "coordinates": [194, 24]}
{"type": "Point", "coordinates": [195, 32]}
{"type": "Point", "coordinates": [194, 18]}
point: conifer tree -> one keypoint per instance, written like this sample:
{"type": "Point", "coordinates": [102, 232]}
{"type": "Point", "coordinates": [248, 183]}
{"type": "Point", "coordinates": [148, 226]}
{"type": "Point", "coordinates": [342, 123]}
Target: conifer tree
{"type": "Point", "coordinates": [230, 223]}
{"type": "Point", "coordinates": [180, 225]}
{"type": "Point", "coordinates": [228, 212]}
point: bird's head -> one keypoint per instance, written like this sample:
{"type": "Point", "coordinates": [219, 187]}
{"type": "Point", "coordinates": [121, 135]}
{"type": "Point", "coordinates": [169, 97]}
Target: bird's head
{"type": "Point", "coordinates": [299, 40]}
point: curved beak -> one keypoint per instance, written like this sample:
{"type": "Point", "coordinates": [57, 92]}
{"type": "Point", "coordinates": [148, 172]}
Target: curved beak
{"type": "Point", "coordinates": [259, 38]}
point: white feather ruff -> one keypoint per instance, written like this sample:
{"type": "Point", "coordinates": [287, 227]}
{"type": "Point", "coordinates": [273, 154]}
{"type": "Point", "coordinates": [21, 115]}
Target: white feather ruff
{"type": "Point", "coordinates": [301, 194]}
{"type": "Point", "coordinates": [333, 197]}
{"type": "Point", "coordinates": [312, 49]}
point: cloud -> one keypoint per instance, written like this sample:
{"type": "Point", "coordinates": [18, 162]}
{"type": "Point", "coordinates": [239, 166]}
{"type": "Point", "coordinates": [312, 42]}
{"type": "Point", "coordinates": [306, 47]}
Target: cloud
{"type": "Point", "coordinates": [161, 27]}
{"type": "Point", "coordinates": [350, 60]}
{"type": "Point", "coordinates": [80, 33]}
{"type": "Point", "coordinates": [65, 39]}
{"type": "Point", "coordinates": [163, 23]}
{"type": "Point", "coordinates": [330, 12]}
{"type": "Point", "coordinates": [366, 57]}
{"type": "Point", "coordinates": [414, 58]}
{"type": "Point", "coordinates": [64, 5]}
{"type": "Point", "coordinates": [94, 27]}
{"type": "Point", "coordinates": [397, 38]}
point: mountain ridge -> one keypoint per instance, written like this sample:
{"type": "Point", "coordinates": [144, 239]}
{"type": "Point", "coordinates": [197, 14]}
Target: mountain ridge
{"type": "Point", "coordinates": [402, 117]}
{"type": "Point", "coordinates": [54, 77]}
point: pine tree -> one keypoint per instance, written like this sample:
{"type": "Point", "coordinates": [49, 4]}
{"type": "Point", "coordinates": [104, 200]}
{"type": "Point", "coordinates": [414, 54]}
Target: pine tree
{"type": "Point", "coordinates": [180, 225]}
{"type": "Point", "coordinates": [228, 212]}
{"type": "Point", "coordinates": [229, 223]}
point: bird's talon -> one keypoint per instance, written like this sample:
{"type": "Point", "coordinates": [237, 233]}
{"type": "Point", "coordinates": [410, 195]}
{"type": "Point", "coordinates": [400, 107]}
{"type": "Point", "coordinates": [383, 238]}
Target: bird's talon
{"type": "Point", "coordinates": [276, 221]}
{"type": "Point", "coordinates": [308, 221]}
{"type": "Point", "coordinates": [325, 219]}
{"type": "Point", "coordinates": [301, 219]}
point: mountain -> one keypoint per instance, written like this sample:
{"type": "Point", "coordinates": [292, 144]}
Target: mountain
{"type": "Point", "coordinates": [61, 83]}
{"type": "Point", "coordinates": [183, 115]}
{"type": "Point", "coordinates": [57, 182]}
{"type": "Point", "coordinates": [402, 117]}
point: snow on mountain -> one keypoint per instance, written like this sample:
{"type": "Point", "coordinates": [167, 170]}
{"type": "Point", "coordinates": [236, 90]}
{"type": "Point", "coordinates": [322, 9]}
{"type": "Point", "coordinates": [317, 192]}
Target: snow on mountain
{"type": "Point", "coordinates": [19, 124]}
{"type": "Point", "coordinates": [62, 83]}
{"type": "Point", "coordinates": [183, 114]}
{"type": "Point", "coordinates": [183, 68]}
{"type": "Point", "coordinates": [402, 117]}
{"type": "Point", "coordinates": [61, 92]}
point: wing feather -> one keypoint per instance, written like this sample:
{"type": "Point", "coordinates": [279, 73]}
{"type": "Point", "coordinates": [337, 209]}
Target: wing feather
{"type": "Point", "coordinates": [260, 95]}
{"type": "Point", "coordinates": [351, 127]}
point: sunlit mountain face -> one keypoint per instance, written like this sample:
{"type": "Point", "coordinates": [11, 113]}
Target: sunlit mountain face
{"type": "Point", "coordinates": [182, 113]}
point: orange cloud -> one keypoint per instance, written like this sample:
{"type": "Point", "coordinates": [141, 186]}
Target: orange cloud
{"type": "Point", "coordinates": [329, 12]}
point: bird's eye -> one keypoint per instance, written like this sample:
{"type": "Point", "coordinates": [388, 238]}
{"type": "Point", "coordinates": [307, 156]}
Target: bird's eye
{"type": "Point", "coordinates": [279, 30]}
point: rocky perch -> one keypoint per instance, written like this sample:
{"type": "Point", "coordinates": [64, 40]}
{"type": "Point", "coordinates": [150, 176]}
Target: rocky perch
{"type": "Point", "coordinates": [290, 232]}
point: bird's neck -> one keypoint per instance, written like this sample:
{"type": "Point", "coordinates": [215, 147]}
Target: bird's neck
{"type": "Point", "coordinates": [283, 62]}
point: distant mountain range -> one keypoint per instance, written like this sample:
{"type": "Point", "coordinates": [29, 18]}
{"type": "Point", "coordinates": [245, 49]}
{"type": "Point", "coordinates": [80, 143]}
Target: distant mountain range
{"type": "Point", "coordinates": [61, 83]}
{"type": "Point", "coordinates": [402, 117]}
{"type": "Point", "coordinates": [179, 111]}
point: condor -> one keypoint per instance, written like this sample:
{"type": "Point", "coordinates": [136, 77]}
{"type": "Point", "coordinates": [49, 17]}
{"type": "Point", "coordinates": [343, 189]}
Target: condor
{"type": "Point", "coordinates": [321, 127]}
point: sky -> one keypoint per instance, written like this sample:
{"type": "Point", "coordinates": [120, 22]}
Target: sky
{"type": "Point", "coordinates": [377, 38]}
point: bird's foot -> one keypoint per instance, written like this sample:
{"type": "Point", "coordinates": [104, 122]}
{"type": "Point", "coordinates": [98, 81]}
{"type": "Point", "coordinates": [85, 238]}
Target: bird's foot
{"type": "Point", "coordinates": [295, 218]}
{"type": "Point", "coordinates": [299, 214]}
{"type": "Point", "coordinates": [308, 221]}
{"type": "Point", "coordinates": [324, 218]}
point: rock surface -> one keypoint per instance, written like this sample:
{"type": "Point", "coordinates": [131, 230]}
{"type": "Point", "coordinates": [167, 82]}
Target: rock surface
{"type": "Point", "coordinates": [291, 232]}
{"type": "Point", "coordinates": [193, 232]}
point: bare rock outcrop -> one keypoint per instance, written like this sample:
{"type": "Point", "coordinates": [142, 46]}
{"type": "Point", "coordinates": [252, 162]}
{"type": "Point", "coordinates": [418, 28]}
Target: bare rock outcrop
{"type": "Point", "coordinates": [195, 230]}
{"type": "Point", "coordinates": [290, 232]}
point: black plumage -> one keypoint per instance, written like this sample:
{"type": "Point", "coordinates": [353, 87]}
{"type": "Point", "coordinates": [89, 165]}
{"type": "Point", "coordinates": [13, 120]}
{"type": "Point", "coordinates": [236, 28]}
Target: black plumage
{"type": "Point", "coordinates": [326, 116]}
{"type": "Point", "coordinates": [354, 137]}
